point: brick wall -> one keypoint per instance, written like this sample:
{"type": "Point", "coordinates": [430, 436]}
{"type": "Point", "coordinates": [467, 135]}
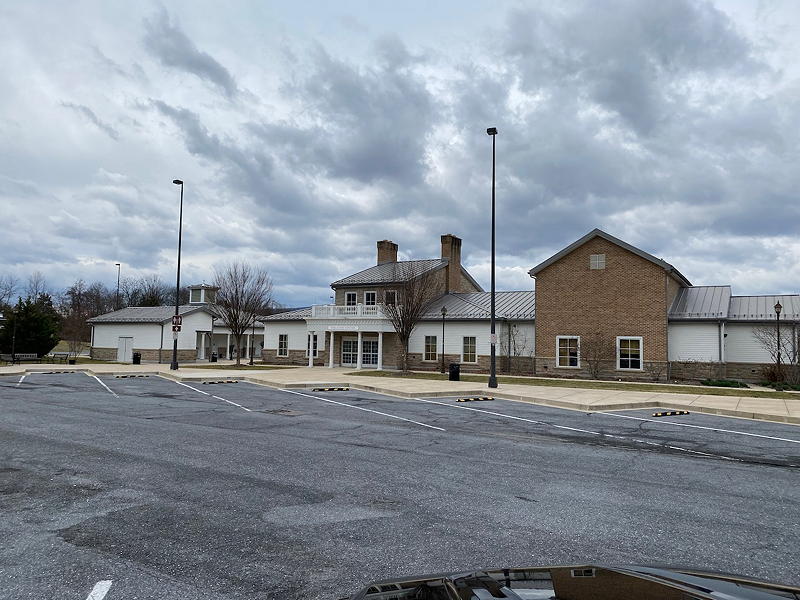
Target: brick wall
{"type": "Point", "coordinates": [630, 297]}
{"type": "Point", "coordinates": [148, 355]}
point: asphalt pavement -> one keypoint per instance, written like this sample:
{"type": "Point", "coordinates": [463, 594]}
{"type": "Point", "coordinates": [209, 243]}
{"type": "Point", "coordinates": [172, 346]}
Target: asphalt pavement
{"type": "Point", "coordinates": [211, 491]}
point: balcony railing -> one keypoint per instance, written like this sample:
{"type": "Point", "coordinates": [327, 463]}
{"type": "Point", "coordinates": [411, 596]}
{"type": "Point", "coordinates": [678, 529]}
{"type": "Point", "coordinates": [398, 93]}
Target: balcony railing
{"type": "Point", "coordinates": [335, 311]}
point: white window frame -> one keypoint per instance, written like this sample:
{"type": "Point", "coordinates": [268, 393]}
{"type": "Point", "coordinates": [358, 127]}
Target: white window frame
{"type": "Point", "coordinates": [286, 349]}
{"type": "Point", "coordinates": [435, 349]}
{"type": "Point", "coordinates": [463, 360]}
{"type": "Point", "coordinates": [308, 344]}
{"type": "Point", "coordinates": [374, 298]}
{"type": "Point", "coordinates": [558, 348]}
{"type": "Point", "coordinates": [597, 261]}
{"type": "Point", "coordinates": [348, 295]}
{"type": "Point", "coordinates": [641, 352]}
{"type": "Point", "coordinates": [192, 299]}
{"type": "Point", "coordinates": [386, 297]}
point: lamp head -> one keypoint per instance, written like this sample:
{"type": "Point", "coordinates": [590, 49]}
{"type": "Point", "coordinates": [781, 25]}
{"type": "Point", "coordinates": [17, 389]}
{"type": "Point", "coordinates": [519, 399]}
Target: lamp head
{"type": "Point", "coordinates": [778, 308]}
{"type": "Point", "coordinates": [444, 311]}
{"type": "Point", "coordinates": [492, 131]}
{"type": "Point", "coordinates": [177, 182]}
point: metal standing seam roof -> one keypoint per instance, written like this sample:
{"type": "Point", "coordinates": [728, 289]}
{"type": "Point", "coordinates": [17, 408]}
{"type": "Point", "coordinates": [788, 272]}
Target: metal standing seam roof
{"type": "Point", "coordinates": [701, 302]}
{"type": "Point", "coordinates": [762, 308]}
{"type": "Point", "coordinates": [147, 314]}
{"type": "Point", "coordinates": [477, 305]}
{"type": "Point", "coordinates": [610, 238]}
{"type": "Point", "coordinates": [388, 272]}
{"type": "Point", "coordinates": [299, 314]}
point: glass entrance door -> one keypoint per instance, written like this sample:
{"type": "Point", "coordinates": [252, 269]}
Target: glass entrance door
{"type": "Point", "coordinates": [349, 352]}
{"type": "Point", "coordinates": [369, 352]}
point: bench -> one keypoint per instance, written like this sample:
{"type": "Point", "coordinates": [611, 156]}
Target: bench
{"type": "Point", "coordinates": [19, 357]}
{"type": "Point", "coordinates": [60, 357]}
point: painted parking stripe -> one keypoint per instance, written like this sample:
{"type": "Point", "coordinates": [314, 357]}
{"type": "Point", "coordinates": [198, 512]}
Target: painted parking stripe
{"type": "Point", "coordinates": [99, 590]}
{"type": "Point", "coordinates": [21, 379]}
{"type": "Point", "coordinates": [105, 386]}
{"type": "Point", "coordinates": [377, 412]}
{"type": "Point", "coordinates": [662, 422]}
{"type": "Point", "coordinates": [606, 435]}
{"type": "Point", "coordinates": [213, 396]}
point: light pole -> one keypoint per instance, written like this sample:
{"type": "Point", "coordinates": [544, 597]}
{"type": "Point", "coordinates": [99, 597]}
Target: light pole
{"type": "Point", "coordinates": [444, 314]}
{"type": "Point", "coordinates": [778, 309]}
{"type": "Point", "coordinates": [116, 298]}
{"type": "Point", "coordinates": [253, 341]}
{"type": "Point", "coordinates": [174, 365]}
{"type": "Point", "coordinates": [492, 131]}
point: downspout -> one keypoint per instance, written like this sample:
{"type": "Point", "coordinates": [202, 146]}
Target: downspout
{"type": "Point", "coordinates": [666, 325]}
{"type": "Point", "coordinates": [91, 343]}
{"type": "Point", "coordinates": [508, 357]}
{"type": "Point", "coordinates": [720, 347]}
{"type": "Point", "coordinates": [161, 345]}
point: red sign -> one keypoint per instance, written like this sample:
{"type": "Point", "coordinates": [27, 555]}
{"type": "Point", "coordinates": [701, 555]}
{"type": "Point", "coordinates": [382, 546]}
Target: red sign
{"type": "Point", "coordinates": [177, 320]}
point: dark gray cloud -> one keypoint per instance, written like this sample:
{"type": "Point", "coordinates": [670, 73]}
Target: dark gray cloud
{"type": "Point", "coordinates": [172, 47]}
{"type": "Point", "coordinates": [90, 116]}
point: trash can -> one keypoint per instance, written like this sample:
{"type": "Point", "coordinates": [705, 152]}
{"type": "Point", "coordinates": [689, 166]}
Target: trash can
{"type": "Point", "coordinates": [213, 357]}
{"type": "Point", "coordinates": [137, 358]}
{"type": "Point", "coordinates": [455, 372]}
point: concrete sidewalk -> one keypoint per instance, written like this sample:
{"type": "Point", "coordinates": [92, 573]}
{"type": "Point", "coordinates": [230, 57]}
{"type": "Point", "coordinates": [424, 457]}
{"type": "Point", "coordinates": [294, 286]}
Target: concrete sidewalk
{"type": "Point", "coordinates": [575, 398]}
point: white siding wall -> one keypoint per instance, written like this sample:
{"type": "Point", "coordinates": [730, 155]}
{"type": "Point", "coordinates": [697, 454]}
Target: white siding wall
{"type": "Point", "coordinates": [297, 331]}
{"type": "Point", "coordinates": [694, 341]}
{"type": "Point", "coordinates": [454, 332]}
{"type": "Point", "coordinates": [187, 338]}
{"type": "Point", "coordinates": [741, 346]}
{"type": "Point", "coordinates": [145, 335]}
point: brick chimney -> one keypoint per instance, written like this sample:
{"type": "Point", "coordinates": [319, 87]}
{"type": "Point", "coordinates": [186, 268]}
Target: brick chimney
{"type": "Point", "coordinates": [451, 251]}
{"type": "Point", "coordinates": [387, 252]}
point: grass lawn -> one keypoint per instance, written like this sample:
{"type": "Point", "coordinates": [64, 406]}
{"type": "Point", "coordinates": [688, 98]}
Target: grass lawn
{"type": "Point", "coordinates": [666, 388]}
{"type": "Point", "coordinates": [243, 366]}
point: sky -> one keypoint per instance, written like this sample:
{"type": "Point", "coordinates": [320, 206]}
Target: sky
{"type": "Point", "coordinates": [307, 131]}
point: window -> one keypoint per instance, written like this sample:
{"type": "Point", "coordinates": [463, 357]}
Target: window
{"type": "Point", "coordinates": [468, 353]}
{"type": "Point", "coordinates": [597, 261]}
{"type": "Point", "coordinates": [430, 347]}
{"type": "Point", "coordinates": [350, 299]}
{"type": "Point", "coordinates": [391, 297]}
{"type": "Point", "coordinates": [309, 344]}
{"type": "Point", "coordinates": [283, 344]}
{"type": "Point", "coordinates": [629, 353]}
{"type": "Point", "coordinates": [370, 298]}
{"type": "Point", "coordinates": [195, 296]}
{"type": "Point", "coordinates": [568, 351]}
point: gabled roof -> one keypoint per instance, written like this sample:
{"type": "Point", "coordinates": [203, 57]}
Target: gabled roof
{"type": "Point", "coordinates": [147, 314]}
{"type": "Point", "coordinates": [701, 302]}
{"type": "Point", "coordinates": [762, 308]}
{"type": "Point", "coordinates": [610, 238]}
{"type": "Point", "coordinates": [477, 305]}
{"type": "Point", "coordinates": [396, 272]}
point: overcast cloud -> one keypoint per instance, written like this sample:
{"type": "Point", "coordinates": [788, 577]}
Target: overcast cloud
{"type": "Point", "coordinates": [306, 133]}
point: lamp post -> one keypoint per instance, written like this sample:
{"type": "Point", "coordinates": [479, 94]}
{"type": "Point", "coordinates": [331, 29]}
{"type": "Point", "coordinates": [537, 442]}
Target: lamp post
{"type": "Point", "coordinates": [174, 365]}
{"type": "Point", "coordinates": [778, 309]}
{"type": "Point", "coordinates": [116, 298]}
{"type": "Point", "coordinates": [492, 131]}
{"type": "Point", "coordinates": [444, 314]}
{"type": "Point", "coordinates": [253, 341]}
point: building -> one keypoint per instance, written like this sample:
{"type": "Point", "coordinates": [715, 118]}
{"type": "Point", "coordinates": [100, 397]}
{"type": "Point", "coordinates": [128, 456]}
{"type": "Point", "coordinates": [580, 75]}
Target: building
{"type": "Point", "coordinates": [602, 308]}
{"type": "Point", "coordinates": [148, 331]}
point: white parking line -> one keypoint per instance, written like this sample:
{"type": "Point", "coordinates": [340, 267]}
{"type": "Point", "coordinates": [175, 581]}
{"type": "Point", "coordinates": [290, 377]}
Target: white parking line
{"type": "Point", "coordinates": [213, 396]}
{"type": "Point", "coordinates": [365, 410]}
{"type": "Point", "coordinates": [607, 435]}
{"type": "Point", "coordinates": [99, 590]}
{"type": "Point", "coordinates": [758, 435]}
{"type": "Point", "coordinates": [105, 386]}
{"type": "Point", "coordinates": [21, 379]}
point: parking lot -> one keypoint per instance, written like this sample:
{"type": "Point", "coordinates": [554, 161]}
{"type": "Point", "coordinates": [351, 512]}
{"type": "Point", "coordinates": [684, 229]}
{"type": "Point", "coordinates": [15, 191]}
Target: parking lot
{"type": "Point", "coordinates": [187, 490]}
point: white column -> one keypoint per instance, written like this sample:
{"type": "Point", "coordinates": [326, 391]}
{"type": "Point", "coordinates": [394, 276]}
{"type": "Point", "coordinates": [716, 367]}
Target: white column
{"type": "Point", "coordinates": [247, 352]}
{"type": "Point", "coordinates": [359, 362]}
{"type": "Point", "coordinates": [330, 356]}
{"type": "Point", "coordinates": [202, 354]}
{"type": "Point", "coordinates": [228, 346]}
{"type": "Point", "coordinates": [311, 348]}
{"type": "Point", "coordinates": [380, 350]}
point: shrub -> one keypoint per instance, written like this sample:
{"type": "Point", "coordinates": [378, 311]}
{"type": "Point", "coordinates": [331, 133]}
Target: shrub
{"type": "Point", "coordinates": [724, 383]}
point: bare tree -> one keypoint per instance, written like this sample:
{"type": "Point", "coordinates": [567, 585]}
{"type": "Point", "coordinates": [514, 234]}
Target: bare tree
{"type": "Point", "coordinates": [8, 287]}
{"type": "Point", "coordinates": [148, 290]}
{"type": "Point", "coordinates": [514, 344]}
{"type": "Point", "coordinates": [767, 338]}
{"type": "Point", "coordinates": [596, 353]}
{"type": "Point", "coordinates": [245, 292]}
{"type": "Point", "coordinates": [414, 292]}
{"type": "Point", "coordinates": [36, 285]}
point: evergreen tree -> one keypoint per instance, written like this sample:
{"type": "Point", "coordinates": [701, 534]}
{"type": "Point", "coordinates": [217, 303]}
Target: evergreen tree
{"type": "Point", "coordinates": [32, 326]}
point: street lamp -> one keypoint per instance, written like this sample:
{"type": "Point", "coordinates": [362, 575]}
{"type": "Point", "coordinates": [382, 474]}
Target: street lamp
{"type": "Point", "coordinates": [253, 341]}
{"type": "Point", "coordinates": [116, 298]}
{"type": "Point", "coordinates": [174, 365]}
{"type": "Point", "coordinates": [778, 309]}
{"type": "Point", "coordinates": [492, 131]}
{"type": "Point", "coordinates": [444, 314]}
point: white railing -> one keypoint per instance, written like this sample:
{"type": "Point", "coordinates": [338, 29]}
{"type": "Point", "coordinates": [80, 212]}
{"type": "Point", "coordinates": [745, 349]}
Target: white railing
{"type": "Point", "coordinates": [335, 311]}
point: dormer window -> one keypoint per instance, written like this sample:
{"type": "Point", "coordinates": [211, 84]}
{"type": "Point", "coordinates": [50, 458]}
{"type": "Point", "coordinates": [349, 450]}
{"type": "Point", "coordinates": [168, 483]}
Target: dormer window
{"type": "Point", "coordinates": [194, 296]}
